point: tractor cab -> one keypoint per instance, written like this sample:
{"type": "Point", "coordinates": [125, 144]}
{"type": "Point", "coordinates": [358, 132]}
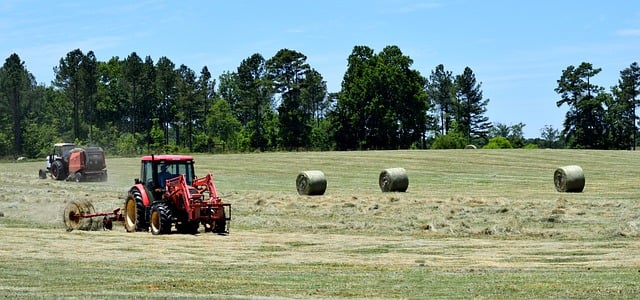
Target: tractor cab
{"type": "Point", "coordinates": [156, 169]}
{"type": "Point", "coordinates": [60, 151]}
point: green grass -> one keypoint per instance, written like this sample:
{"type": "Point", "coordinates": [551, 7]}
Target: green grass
{"type": "Point", "coordinates": [481, 224]}
{"type": "Point", "coordinates": [307, 281]}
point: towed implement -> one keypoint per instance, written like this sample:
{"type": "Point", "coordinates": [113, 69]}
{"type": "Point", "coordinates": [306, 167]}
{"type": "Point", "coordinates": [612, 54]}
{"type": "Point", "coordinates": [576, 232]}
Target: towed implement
{"type": "Point", "coordinates": [166, 194]}
{"type": "Point", "coordinates": [79, 215]}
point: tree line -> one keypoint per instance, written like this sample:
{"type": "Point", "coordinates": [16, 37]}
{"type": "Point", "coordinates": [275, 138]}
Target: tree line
{"type": "Point", "coordinates": [134, 105]}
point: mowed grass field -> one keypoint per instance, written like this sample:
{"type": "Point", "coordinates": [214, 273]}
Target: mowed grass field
{"type": "Point", "coordinates": [473, 224]}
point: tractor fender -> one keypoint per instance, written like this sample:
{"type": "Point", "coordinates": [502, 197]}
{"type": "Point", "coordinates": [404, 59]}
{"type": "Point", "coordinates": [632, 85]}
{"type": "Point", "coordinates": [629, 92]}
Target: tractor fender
{"type": "Point", "coordinates": [143, 192]}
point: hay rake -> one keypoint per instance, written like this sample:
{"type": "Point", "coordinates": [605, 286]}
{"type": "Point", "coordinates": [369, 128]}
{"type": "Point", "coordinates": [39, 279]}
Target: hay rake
{"type": "Point", "coordinates": [80, 214]}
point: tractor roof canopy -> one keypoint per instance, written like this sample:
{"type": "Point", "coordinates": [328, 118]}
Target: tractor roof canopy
{"type": "Point", "coordinates": [64, 144]}
{"type": "Point", "coordinates": [167, 157]}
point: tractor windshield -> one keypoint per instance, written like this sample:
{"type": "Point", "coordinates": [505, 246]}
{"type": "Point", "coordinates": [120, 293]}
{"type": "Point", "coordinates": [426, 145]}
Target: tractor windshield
{"type": "Point", "coordinates": [62, 150]}
{"type": "Point", "coordinates": [168, 170]}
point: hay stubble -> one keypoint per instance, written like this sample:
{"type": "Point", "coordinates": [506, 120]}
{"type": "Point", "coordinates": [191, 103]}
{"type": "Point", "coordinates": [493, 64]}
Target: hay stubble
{"type": "Point", "coordinates": [466, 212]}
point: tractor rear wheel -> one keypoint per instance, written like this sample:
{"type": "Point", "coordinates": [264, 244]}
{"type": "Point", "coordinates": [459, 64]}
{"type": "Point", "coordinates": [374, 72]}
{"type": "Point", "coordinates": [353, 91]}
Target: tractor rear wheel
{"type": "Point", "coordinates": [58, 171]}
{"type": "Point", "coordinates": [135, 212]}
{"type": "Point", "coordinates": [73, 215]}
{"type": "Point", "coordinates": [160, 222]}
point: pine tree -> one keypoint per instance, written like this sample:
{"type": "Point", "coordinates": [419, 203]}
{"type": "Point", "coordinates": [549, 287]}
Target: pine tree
{"type": "Point", "coordinates": [471, 107]}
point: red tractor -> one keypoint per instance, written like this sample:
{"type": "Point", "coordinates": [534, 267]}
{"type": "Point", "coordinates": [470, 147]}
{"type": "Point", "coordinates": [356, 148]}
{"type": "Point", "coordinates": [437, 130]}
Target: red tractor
{"type": "Point", "coordinates": [168, 193]}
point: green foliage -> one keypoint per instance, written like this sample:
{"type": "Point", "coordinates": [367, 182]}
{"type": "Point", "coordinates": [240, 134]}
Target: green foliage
{"type": "Point", "coordinates": [249, 93]}
{"type": "Point", "coordinates": [282, 104]}
{"type": "Point", "coordinates": [200, 142]}
{"type": "Point", "coordinates": [498, 142]}
{"type": "Point", "coordinates": [513, 133]}
{"type": "Point", "coordinates": [320, 137]}
{"type": "Point", "coordinates": [382, 104]}
{"type": "Point", "coordinates": [288, 72]}
{"type": "Point", "coordinates": [171, 148]}
{"type": "Point", "coordinates": [221, 124]}
{"type": "Point", "coordinates": [129, 144]}
{"type": "Point", "coordinates": [76, 75]}
{"type": "Point", "coordinates": [451, 140]}
{"type": "Point", "coordinates": [584, 125]}
{"type": "Point", "coordinates": [621, 109]}
{"type": "Point", "coordinates": [156, 137]}
{"type": "Point", "coordinates": [442, 92]}
{"type": "Point", "coordinates": [15, 83]}
{"type": "Point", "coordinates": [531, 146]}
{"type": "Point", "coordinates": [471, 107]}
{"type": "Point", "coordinates": [38, 140]}
{"type": "Point", "coordinates": [243, 142]}
{"type": "Point", "coordinates": [5, 145]}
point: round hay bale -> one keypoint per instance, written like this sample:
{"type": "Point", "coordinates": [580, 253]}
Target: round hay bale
{"type": "Point", "coordinates": [394, 180]}
{"type": "Point", "coordinates": [311, 183]}
{"type": "Point", "coordinates": [569, 179]}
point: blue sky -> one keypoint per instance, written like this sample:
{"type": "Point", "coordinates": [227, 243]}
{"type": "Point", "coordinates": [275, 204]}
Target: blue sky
{"type": "Point", "coordinates": [517, 49]}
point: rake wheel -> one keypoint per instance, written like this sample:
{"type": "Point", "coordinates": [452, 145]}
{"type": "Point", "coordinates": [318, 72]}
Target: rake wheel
{"type": "Point", "coordinates": [74, 213]}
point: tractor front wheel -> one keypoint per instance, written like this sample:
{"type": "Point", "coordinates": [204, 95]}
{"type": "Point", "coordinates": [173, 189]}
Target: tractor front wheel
{"type": "Point", "coordinates": [135, 212]}
{"type": "Point", "coordinates": [160, 222]}
{"type": "Point", "coordinates": [219, 225]}
{"type": "Point", "coordinates": [42, 173]}
{"type": "Point", "coordinates": [58, 171]}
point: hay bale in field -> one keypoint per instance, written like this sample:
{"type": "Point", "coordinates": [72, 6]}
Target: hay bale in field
{"type": "Point", "coordinates": [311, 183]}
{"type": "Point", "coordinates": [394, 180]}
{"type": "Point", "coordinates": [569, 179]}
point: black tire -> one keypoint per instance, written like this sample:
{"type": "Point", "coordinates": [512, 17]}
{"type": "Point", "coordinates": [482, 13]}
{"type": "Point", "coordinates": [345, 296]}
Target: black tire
{"type": "Point", "coordinates": [220, 225]}
{"type": "Point", "coordinates": [189, 227]}
{"type": "Point", "coordinates": [42, 174]}
{"type": "Point", "coordinates": [78, 177]}
{"type": "Point", "coordinates": [58, 172]}
{"type": "Point", "coordinates": [104, 176]}
{"type": "Point", "coordinates": [160, 220]}
{"type": "Point", "coordinates": [135, 217]}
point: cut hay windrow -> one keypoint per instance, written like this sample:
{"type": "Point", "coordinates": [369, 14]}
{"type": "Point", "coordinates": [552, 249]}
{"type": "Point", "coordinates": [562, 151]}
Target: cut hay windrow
{"type": "Point", "coordinates": [311, 183]}
{"type": "Point", "coordinates": [394, 180]}
{"type": "Point", "coordinates": [569, 179]}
